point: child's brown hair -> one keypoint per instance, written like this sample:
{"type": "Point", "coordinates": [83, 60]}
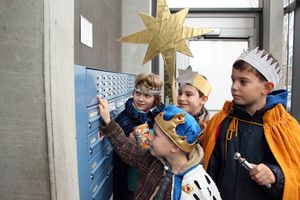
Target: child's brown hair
{"type": "Point", "coordinates": [150, 81]}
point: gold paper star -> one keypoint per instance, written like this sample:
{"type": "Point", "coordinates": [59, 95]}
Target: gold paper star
{"type": "Point", "coordinates": [165, 34]}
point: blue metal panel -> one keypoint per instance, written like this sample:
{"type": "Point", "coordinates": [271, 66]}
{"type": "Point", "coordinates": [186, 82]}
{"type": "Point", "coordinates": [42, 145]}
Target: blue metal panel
{"type": "Point", "coordinates": [108, 85]}
{"type": "Point", "coordinates": [96, 142]}
{"type": "Point", "coordinates": [81, 131]}
{"type": "Point", "coordinates": [101, 167]}
{"type": "Point", "coordinates": [94, 152]}
{"type": "Point", "coordinates": [93, 117]}
{"type": "Point", "coordinates": [101, 189]}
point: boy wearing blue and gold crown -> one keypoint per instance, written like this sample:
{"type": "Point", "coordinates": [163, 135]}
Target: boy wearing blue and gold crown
{"type": "Point", "coordinates": [256, 125]}
{"type": "Point", "coordinates": [171, 169]}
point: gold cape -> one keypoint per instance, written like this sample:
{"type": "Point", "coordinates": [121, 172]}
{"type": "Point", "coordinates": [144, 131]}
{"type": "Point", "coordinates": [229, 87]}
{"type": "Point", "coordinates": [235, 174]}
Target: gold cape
{"type": "Point", "coordinates": [282, 133]}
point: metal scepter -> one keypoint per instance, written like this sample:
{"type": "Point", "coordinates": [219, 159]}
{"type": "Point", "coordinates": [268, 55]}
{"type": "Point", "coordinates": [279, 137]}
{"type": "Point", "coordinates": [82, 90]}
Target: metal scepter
{"type": "Point", "coordinates": [246, 164]}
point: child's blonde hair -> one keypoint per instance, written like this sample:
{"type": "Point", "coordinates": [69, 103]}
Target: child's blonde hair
{"type": "Point", "coordinates": [150, 81]}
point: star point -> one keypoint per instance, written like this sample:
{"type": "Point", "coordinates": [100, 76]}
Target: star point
{"type": "Point", "coordinates": [165, 34]}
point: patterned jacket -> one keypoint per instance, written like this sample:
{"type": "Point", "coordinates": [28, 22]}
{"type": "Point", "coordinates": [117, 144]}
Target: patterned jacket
{"type": "Point", "coordinates": [193, 183]}
{"type": "Point", "coordinates": [128, 119]}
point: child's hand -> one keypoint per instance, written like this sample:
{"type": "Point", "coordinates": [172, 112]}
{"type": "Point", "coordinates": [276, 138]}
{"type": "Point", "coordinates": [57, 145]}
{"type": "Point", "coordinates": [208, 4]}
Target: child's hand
{"type": "Point", "coordinates": [104, 110]}
{"type": "Point", "coordinates": [262, 174]}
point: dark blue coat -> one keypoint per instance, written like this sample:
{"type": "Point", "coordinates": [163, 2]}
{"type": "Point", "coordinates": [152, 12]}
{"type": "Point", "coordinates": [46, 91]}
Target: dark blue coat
{"type": "Point", "coordinates": [252, 144]}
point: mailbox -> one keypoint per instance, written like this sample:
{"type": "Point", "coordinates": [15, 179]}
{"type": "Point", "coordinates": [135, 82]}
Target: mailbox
{"type": "Point", "coordinates": [94, 152]}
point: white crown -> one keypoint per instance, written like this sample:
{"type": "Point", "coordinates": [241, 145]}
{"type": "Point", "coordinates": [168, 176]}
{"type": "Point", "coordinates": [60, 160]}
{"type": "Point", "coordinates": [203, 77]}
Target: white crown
{"type": "Point", "coordinates": [264, 65]}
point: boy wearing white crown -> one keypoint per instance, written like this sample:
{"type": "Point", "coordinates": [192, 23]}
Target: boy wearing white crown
{"type": "Point", "coordinates": [171, 169]}
{"type": "Point", "coordinates": [193, 92]}
{"type": "Point", "coordinates": [256, 125]}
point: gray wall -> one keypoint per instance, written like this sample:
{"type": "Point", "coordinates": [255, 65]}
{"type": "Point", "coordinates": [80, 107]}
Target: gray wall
{"type": "Point", "coordinates": [24, 172]}
{"type": "Point", "coordinates": [106, 19]}
{"type": "Point", "coordinates": [37, 117]}
{"type": "Point", "coordinates": [59, 98]}
{"type": "Point", "coordinates": [38, 40]}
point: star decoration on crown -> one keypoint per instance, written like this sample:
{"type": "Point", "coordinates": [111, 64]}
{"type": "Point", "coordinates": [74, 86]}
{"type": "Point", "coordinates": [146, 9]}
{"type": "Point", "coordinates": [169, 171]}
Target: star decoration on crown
{"type": "Point", "coordinates": [186, 75]}
{"type": "Point", "coordinates": [165, 34]}
{"type": "Point", "coordinates": [189, 76]}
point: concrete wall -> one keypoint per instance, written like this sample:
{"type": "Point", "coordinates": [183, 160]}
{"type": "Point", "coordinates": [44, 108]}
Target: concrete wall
{"type": "Point", "coordinates": [37, 118]}
{"type": "Point", "coordinates": [24, 172]}
{"type": "Point", "coordinates": [106, 19]}
{"type": "Point", "coordinates": [59, 98]}
{"type": "Point", "coordinates": [38, 40]}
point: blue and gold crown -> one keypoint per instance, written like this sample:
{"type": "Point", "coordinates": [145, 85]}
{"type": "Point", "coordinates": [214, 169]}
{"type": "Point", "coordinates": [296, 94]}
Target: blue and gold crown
{"type": "Point", "coordinates": [180, 127]}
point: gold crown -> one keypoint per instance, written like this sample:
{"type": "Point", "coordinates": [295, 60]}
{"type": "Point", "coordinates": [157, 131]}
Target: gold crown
{"type": "Point", "coordinates": [202, 84]}
{"type": "Point", "coordinates": [169, 128]}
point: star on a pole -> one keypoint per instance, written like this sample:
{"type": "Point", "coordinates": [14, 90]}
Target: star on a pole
{"type": "Point", "coordinates": [165, 34]}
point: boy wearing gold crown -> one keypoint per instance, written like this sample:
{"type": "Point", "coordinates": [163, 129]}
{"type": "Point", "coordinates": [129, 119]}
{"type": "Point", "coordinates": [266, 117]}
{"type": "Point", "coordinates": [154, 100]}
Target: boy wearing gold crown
{"type": "Point", "coordinates": [171, 168]}
{"type": "Point", "coordinates": [193, 91]}
{"type": "Point", "coordinates": [256, 125]}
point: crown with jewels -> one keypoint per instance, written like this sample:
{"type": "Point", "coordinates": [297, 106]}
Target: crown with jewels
{"type": "Point", "coordinates": [180, 127]}
{"type": "Point", "coordinates": [264, 64]}
{"type": "Point", "coordinates": [188, 76]}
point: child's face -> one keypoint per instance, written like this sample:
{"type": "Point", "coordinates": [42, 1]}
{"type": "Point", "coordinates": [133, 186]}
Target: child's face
{"type": "Point", "coordinates": [160, 143]}
{"type": "Point", "coordinates": [246, 89]}
{"type": "Point", "coordinates": [143, 101]}
{"type": "Point", "coordinates": [189, 100]}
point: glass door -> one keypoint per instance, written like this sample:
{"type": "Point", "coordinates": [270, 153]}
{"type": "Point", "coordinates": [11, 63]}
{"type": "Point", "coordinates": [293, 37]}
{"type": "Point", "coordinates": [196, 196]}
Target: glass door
{"type": "Point", "coordinates": [214, 59]}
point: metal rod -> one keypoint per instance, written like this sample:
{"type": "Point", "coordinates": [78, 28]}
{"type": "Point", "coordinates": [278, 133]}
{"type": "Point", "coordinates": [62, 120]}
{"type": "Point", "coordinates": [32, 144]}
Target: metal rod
{"type": "Point", "coordinates": [246, 164]}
